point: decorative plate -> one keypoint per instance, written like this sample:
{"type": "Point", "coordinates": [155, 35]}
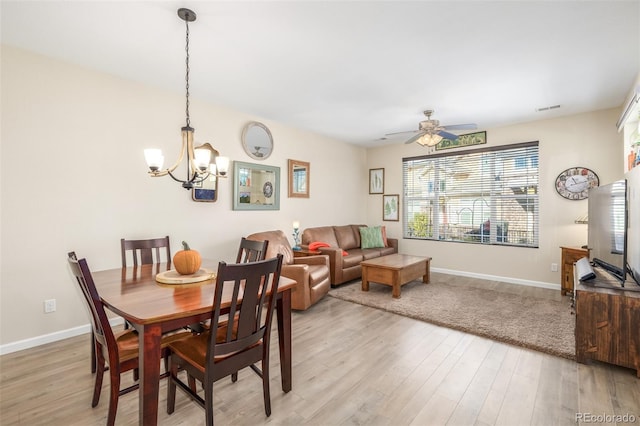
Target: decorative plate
{"type": "Point", "coordinates": [173, 277]}
{"type": "Point", "coordinates": [267, 189]}
{"type": "Point", "coordinates": [574, 183]}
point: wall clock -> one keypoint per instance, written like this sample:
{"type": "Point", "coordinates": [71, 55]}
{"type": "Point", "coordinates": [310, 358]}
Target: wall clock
{"type": "Point", "coordinates": [574, 183]}
{"type": "Point", "coordinates": [267, 189]}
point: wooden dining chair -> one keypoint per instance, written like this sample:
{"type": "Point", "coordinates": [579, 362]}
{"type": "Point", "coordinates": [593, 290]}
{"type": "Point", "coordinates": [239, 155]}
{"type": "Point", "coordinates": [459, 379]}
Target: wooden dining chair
{"type": "Point", "coordinates": [251, 251]}
{"type": "Point", "coordinates": [229, 346]}
{"type": "Point", "coordinates": [115, 352]}
{"type": "Point", "coordinates": [145, 250]}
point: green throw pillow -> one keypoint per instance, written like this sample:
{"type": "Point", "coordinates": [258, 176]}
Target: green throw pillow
{"type": "Point", "coordinates": [371, 237]}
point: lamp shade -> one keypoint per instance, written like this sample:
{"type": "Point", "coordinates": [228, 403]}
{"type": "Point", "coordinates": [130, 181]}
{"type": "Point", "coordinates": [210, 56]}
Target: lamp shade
{"type": "Point", "coordinates": [154, 158]}
{"type": "Point", "coordinates": [222, 164]}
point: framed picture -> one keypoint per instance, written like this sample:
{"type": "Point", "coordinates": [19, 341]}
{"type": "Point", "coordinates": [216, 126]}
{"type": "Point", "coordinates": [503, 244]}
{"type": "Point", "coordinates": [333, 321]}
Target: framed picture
{"type": "Point", "coordinates": [206, 190]}
{"type": "Point", "coordinates": [477, 138]}
{"type": "Point", "coordinates": [376, 181]}
{"type": "Point", "coordinates": [299, 178]}
{"type": "Point", "coordinates": [391, 207]}
{"type": "Point", "coordinates": [255, 186]}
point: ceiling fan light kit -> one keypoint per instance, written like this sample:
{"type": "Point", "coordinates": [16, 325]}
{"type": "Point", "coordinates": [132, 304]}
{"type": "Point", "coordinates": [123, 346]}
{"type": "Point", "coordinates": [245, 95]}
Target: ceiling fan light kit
{"type": "Point", "coordinates": [430, 133]}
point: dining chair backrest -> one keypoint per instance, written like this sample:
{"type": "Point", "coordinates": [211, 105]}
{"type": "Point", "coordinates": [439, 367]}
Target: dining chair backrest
{"type": "Point", "coordinates": [102, 331]}
{"type": "Point", "coordinates": [248, 282]}
{"type": "Point", "coordinates": [251, 251]}
{"type": "Point", "coordinates": [145, 249]}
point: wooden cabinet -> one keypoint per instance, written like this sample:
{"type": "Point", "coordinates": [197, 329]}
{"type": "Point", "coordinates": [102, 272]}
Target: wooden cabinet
{"type": "Point", "coordinates": [570, 255]}
{"type": "Point", "coordinates": [608, 323]}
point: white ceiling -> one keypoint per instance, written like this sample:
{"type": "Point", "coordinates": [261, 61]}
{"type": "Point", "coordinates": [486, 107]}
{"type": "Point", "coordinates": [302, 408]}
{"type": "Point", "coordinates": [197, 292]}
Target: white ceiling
{"type": "Point", "coordinates": [355, 70]}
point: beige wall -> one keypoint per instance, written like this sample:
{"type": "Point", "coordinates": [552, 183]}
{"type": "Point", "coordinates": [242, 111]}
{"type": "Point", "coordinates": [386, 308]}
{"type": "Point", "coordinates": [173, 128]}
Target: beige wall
{"type": "Point", "coordinates": [589, 140]}
{"type": "Point", "coordinates": [88, 131]}
{"type": "Point", "coordinates": [73, 177]}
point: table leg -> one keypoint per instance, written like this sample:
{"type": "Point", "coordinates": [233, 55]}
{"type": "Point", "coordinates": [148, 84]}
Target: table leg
{"type": "Point", "coordinates": [427, 277]}
{"type": "Point", "coordinates": [283, 314]}
{"type": "Point", "coordinates": [365, 279]}
{"type": "Point", "coordinates": [149, 363]}
{"type": "Point", "coordinates": [396, 284]}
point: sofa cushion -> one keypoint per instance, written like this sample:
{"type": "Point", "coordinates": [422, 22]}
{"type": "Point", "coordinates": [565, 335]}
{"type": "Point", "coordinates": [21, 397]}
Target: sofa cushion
{"type": "Point", "coordinates": [345, 236]}
{"type": "Point", "coordinates": [323, 234]}
{"type": "Point", "coordinates": [356, 232]}
{"type": "Point", "coordinates": [371, 237]}
{"type": "Point", "coordinates": [352, 259]}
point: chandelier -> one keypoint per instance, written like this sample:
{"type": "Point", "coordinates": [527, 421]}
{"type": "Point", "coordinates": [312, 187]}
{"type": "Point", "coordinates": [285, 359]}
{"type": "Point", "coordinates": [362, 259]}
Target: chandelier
{"type": "Point", "coordinates": [199, 166]}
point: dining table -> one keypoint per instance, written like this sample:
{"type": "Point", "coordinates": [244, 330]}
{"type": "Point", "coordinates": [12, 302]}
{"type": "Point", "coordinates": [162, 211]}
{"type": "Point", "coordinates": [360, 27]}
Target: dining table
{"type": "Point", "coordinates": [154, 308]}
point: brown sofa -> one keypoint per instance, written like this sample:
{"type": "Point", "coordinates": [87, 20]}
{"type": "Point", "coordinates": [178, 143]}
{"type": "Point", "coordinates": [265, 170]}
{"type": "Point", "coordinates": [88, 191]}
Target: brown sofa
{"type": "Point", "coordinates": [311, 273]}
{"type": "Point", "coordinates": [345, 238]}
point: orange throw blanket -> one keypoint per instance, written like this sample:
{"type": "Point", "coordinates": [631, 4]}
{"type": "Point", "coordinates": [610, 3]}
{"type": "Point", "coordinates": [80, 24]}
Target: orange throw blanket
{"type": "Point", "coordinates": [317, 244]}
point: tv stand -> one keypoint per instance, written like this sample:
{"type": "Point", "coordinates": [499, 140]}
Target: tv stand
{"type": "Point", "coordinates": [607, 322]}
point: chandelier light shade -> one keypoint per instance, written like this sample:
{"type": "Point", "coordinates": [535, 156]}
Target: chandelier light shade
{"type": "Point", "coordinates": [429, 139]}
{"type": "Point", "coordinates": [199, 164]}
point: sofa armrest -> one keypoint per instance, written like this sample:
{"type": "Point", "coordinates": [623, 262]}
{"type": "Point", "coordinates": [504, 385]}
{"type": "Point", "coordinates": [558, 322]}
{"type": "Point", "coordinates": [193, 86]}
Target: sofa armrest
{"type": "Point", "coordinates": [319, 259]}
{"type": "Point", "coordinates": [393, 242]}
{"type": "Point", "coordinates": [335, 262]}
{"type": "Point", "coordinates": [301, 292]}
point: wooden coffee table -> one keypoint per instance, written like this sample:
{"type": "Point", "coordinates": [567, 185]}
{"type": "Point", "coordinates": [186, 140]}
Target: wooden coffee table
{"type": "Point", "coordinates": [395, 270]}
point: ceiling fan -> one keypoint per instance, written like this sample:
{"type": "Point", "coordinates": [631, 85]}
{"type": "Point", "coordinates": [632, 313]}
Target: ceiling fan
{"type": "Point", "coordinates": [430, 132]}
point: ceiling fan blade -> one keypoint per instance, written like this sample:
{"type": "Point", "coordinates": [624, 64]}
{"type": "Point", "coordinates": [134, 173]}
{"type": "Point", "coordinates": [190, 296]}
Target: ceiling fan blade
{"type": "Point", "coordinates": [415, 138]}
{"type": "Point", "coordinates": [468, 126]}
{"type": "Point", "coordinates": [448, 135]}
{"type": "Point", "coordinates": [407, 132]}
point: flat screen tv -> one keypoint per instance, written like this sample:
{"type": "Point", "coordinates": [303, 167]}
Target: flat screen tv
{"type": "Point", "coordinates": [608, 228]}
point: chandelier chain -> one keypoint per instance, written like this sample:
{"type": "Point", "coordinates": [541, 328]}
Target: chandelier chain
{"type": "Point", "coordinates": [187, 73]}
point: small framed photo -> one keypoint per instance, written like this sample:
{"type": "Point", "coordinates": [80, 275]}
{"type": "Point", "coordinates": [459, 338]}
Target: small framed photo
{"type": "Point", "coordinates": [376, 181]}
{"type": "Point", "coordinates": [390, 207]}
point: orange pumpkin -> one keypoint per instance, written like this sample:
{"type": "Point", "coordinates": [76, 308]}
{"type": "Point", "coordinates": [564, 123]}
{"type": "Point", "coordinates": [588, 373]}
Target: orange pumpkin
{"type": "Point", "coordinates": [187, 261]}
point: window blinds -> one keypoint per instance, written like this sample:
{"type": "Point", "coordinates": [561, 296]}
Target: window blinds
{"type": "Point", "coordinates": [487, 196]}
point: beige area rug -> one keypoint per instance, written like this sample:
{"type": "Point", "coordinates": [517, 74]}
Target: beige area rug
{"type": "Point", "coordinates": [519, 315]}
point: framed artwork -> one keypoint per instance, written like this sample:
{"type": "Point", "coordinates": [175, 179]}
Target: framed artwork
{"type": "Point", "coordinates": [390, 207]}
{"type": "Point", "coordinates": [299, 178]}
{"type": "Point", "coordinates": [376, 181]}
{"type": "Point", "coordinates": [206, 190]}
{"type": "Point", "coordinates": [255, 186]}
{"type": "Point", "coordinates": [477, 138]}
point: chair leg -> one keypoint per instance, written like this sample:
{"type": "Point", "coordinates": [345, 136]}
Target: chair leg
{"type": "Point", "coordinates": [192, 383]}
{"type": "Point", "coordinates": [113, 395]}
{"type": "Point", "coordinates": [234, 377]}
{"type": "Point", "coordinates": [208, 400]}
{"type": "Point", "coordinates": [98, 385]}
{"type": "Point", "coordinates": [171, 387]}
{"type": "Point", "coordinates": [265, 386]}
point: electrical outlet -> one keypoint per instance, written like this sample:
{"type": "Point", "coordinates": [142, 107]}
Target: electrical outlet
{"type": "Point", "coordinates": [554, 267]}
{"type": "Point", "coordinates": [49, 306]}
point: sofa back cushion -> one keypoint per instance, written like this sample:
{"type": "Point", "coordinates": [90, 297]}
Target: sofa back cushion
{"type": "Point", "coordinates": [346, 237]}
{"type": "Point", "coordinates": [356, 232]}
{"type": "Point", "coordinates": [278, 244]}
{"type": "Point", "coordinates": [371, 237]}
{"type": "Point", "coordinates": [323, 234]}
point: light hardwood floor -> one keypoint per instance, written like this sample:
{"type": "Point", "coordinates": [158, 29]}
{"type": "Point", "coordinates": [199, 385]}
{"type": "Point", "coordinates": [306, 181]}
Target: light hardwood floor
{"type": "Point", "coordinates": [352, 365]}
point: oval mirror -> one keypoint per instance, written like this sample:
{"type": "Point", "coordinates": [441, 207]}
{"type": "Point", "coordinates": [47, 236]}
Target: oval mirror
{"type": "Point", "coordinates": [257, 140]}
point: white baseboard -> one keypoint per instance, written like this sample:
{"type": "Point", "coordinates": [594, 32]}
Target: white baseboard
{"type": "Point", "coordinates": [551, 286]}
{"type": "Point", "coordinates": [51, 337]}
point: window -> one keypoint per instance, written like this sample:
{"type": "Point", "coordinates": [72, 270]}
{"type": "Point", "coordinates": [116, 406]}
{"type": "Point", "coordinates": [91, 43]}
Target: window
{"type": "Point", "coordinates": [482, 196]}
